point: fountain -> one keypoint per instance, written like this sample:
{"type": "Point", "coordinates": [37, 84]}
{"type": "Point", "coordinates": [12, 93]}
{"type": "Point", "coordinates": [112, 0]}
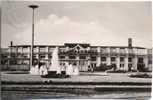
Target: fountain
{"type": "Point", "coordinates": [55, 68]}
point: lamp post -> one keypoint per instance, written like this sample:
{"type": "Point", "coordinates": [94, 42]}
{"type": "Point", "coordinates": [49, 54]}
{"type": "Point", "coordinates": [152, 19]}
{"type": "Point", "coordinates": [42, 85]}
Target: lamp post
{"type": "Point", "coordinates": [32, 44]}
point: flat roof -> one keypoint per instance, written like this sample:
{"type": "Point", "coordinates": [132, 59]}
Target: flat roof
{"type": "Point", "coordinates": [84, 45]}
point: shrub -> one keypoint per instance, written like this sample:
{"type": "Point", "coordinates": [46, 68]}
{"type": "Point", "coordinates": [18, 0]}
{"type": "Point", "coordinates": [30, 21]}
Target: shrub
{"type": "Point", "coordinates": [55, 76]}
{"type": "Point", "coordinates": [116, 71]}
{"type": "Point", "coordinates": [104, 67]}
{"type": "Point", "coordinates": [140, 75]}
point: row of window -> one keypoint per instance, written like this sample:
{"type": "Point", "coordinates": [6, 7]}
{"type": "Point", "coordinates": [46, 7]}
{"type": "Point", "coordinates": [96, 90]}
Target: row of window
{"type": "Point", "coordinates": [93, 58]}
{"type": "Point", "coordinates": [112, 59]}
{"type": "Point", "coordinates": [140, 60]}
{"type": "Point", "coordinates": [62, 57]}
{"type": "Point", "coordinates": [103, 50]}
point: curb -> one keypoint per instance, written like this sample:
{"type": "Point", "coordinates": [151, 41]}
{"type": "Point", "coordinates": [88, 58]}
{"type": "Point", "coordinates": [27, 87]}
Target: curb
{"type": "Point", "coordinates": [72, 83]}
{"type": "Point", "coordinates": [76, 88]}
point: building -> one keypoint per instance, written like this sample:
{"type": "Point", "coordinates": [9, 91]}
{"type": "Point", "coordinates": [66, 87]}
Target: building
{"type": "Point", "coordinates": [123, 57]}
{"type": "Point", "coordinates": [150, 59]}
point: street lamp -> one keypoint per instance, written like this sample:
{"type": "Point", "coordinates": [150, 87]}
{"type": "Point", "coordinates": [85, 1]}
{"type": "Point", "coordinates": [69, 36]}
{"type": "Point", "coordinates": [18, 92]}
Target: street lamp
{"type": "Point", "coordinates": [32, 44]}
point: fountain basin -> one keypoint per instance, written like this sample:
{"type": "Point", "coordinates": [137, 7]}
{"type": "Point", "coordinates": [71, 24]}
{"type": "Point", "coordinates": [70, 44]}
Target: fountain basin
{"type": "Point", "coordinates": [53, 74]}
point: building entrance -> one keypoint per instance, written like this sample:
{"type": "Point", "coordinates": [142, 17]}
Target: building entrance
{"type": "Point", "coordinates": [83, 65]}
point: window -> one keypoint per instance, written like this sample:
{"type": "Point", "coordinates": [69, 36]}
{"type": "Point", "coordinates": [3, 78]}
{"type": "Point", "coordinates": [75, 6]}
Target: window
{"type": "Point", "coordinates": [14, 50]}
{"type": "Point", "coordinates": [25, 50]}
{"type": "Point", "coordinates": [121, 65]}
{"type": "Point", "coordinates": [34, 56]}
{"type": "Point", "coordinates": [25, 56]}
{"type": "Point", "coordinates": [112, 58]}
{"type": "Point", "coordinates": [149, 61]}
{"type": "Point", "coordinates": [113, 50]}
{"type": "Point", "coordinates": [72, 57]}
{"type": "Point", "coordinates": [93, 58]}
{"type": "Point", "coordinates": [34, 49]}
{"type": "Point", "coordinates": [20, 50]}
{"type": "Point", "coordinates": [42, 49]}
{"type": "Point", "coordinates": [82, 57]}
{"type": "Point", "coordinates": [93, 50]}
{"type": "Point", "coordinates": [103, 58]}
{"type": "Point", "coordinates": [42, 56]}
{"type": "Point", "coordinates": [62, 57]}
{"type": "Point", "coordinates": [13, 55]}
{"type": "Point", "coordinates": [62, 49]}
{"type": "Point", "coordinates": [130, 51]}
{"type": "Point", "coordinates": [122, 51]}
{"type": "Point", "coordinates": [49, 56]}
{"type": "Point", "coordinates": [51, 49]}
{"type": "Point", "coordinates": [141, 51]}
{"type": "Point", "coordinates": [121, 59]}
{"type": "Point", "coordinates": [103, 50]}
{"type": "Point", "coordinates": [129, 65]}
{"type": "Point", "coordinates": [150, 51]}
{"type": "Point", "coordinates": [130, 59]}
{"type": "Point", "coordinates": [140, 60]}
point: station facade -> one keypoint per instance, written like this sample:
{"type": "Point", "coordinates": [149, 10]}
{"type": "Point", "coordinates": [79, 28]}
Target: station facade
{"type": "Point", "coordinates": [83, 55]}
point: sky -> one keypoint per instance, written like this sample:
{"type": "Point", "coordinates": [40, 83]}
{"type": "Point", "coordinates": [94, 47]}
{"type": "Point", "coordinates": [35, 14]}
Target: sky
{"type": "Point", "coordinates": [96, 23]}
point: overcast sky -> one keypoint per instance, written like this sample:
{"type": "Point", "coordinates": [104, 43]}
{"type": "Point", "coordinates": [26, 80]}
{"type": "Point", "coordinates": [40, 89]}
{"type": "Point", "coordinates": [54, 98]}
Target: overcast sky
{"type": "Point", "coordinates": [97, 23]}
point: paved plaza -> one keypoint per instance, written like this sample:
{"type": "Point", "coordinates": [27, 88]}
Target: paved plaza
{"type": "Point", "coordinates": [83, 77]}
{"type": "Point", "coordinates": [71, 91]}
